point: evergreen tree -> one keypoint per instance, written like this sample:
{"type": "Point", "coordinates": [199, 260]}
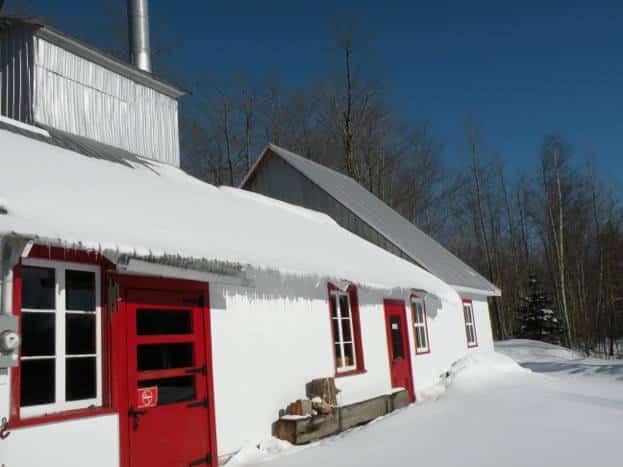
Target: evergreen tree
{"type": "Point", "coordinates": [537, 319]}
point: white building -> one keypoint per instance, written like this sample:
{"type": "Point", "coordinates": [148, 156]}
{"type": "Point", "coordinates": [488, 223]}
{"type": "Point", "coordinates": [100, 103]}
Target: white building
{"type": "Point", "coordinates": [165, 321]}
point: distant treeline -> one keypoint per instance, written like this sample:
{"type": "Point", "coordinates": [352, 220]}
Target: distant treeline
{"type": "Point", "coordinates": [556, 222]}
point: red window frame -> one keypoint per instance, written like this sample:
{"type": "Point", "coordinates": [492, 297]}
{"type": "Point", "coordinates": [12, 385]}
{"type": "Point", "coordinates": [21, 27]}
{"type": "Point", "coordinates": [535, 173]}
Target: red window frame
{"type": "Point", "coordinates": [471, 304]}
{"type": "Point", "coordinates": [69, 256]}
{"type": "Point", "coordinates": [428, 348]}
{"type": "Point", "coordinates": [360, 368]}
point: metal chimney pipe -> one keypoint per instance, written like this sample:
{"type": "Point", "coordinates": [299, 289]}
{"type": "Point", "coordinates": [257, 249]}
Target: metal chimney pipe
{"type": "Point", "coordinates": [138, 34]}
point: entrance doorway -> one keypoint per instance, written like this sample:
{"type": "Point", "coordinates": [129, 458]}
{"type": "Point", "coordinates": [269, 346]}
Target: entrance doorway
{"type": "Point", "coordinates": [169, 416]}
{"type": "Point", "coordinates": [398, 346]}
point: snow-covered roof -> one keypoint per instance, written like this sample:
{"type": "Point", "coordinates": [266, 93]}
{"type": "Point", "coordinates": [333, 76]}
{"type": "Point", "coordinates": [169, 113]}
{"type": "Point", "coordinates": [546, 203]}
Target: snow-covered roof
{"type": "Point", "coordinates": [148, 209]}
{"type": "Point", "coordinates": [416, 244]}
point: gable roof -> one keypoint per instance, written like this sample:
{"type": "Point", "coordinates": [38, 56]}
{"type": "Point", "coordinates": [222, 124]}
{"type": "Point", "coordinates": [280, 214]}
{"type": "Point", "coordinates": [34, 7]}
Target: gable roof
{"type": "Point", "coordinates": [90, 52]}
{"type": "Point", "coordinates": [58, 196]}
{"type": "Point", "coordinates": [416, 244]}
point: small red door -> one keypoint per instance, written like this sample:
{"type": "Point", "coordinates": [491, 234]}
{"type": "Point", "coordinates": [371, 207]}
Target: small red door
{"type": "Point", "coordinates": [168, 418]}
{"type": "Point", "coordinates": [398, 346]}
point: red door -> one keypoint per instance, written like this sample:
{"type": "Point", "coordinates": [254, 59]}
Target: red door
{"type": "Point", "coordinates": [398, 346]}
{"type": "Point", "coordinates": [168, 417]}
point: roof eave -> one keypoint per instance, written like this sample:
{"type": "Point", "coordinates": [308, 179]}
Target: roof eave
{"type": "Point", "coordinates": [494, 292]}
{"type": "Point", "coordinates": [253, 168]}
{"type": "Point", "coordinates": [96, 55]}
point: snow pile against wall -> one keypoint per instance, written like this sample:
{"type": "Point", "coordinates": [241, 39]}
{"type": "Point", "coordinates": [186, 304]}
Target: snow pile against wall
{"type": "Point", "coordinates": [477, 369]}
{"type": "Point", "coordinates": [518, 419]}
{"type": "Point", "coordinates": [154, 209]}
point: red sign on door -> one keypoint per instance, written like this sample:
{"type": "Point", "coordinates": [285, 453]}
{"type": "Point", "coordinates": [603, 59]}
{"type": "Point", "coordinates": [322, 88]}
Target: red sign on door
{"type": "Point", "coordinates": [146, 397]}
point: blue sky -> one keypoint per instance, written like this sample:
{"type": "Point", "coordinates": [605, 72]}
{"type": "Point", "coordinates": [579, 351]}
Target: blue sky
{"type": "Point", "coordinates": [520, 69]}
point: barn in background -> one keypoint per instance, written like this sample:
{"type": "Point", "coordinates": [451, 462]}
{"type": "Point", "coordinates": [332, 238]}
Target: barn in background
{"type": "Point", "coordinates": [289, 177]}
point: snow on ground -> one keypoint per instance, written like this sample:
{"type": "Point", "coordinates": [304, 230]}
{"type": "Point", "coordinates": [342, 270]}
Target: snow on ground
{"type": "Point", "coordinates": [546, 358]}
{"type": "Point", "coordinates": [493, 413]}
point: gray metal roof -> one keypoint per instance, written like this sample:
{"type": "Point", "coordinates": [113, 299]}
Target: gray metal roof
{"type": "Point", "coordinates": [96, 55]}
{"type": "Point", "coordinates": [423, 249]}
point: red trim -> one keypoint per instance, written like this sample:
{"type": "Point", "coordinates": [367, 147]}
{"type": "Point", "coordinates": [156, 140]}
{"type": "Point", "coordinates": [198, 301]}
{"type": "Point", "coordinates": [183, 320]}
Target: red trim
{"type": "Point", "coordinates": [62, 416]}
{"type": "Point", "coordinates": [70, 256]}
{"type": "Point", "coordinates": [475, 344]}
{"type": "Point", "coordinates": [351, 290]}
{"type": "Point", "coordinates": [355, 372]}
{"type": "Point", "coordinates": [401, 303]}
{"type": "Point", "coordinates": [420, 352]}
{"type": "Point", "coordinates": [120, 375]}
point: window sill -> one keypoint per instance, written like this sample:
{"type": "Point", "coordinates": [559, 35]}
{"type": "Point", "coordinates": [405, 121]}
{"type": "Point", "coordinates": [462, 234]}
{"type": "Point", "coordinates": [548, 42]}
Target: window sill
{"type": "Point", "coordinates": [61, 417]}
{"type": "Point", "coordinates": [350, 373]}
{"type": "Point", "coordinates": [422, 352]}
{"type": "Point", "coordinates": [472, 346]}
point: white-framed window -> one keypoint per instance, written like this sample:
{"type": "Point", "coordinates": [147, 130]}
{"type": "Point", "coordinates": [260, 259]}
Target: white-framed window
{"type": "Point", "coordinates": [470, 324]}
{"type": "Point", "coordinates": [420, 325]}
{"type": "Point", "coordinates": [343, 331]}
{"type": "Point", "coordinates": [61, 351]}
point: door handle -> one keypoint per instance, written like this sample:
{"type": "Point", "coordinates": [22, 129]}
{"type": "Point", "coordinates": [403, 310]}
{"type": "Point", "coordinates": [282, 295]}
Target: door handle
{"type": "Point", "coordinates": [135, 414]}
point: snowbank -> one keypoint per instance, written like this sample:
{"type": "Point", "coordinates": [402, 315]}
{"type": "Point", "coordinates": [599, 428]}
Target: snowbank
{"type": "Point", "coordinates": [153, 210]}
{"type": "Point", "coordinates": [513, 419]}
{"type": "Point", "coordinates": [541, 357]}
{"type": "Point", "coordinates": [525, 349]}
{"type": "Point", "coordinates": [472, 372]}
{"type": "Point", "coordinates": [477, 370]}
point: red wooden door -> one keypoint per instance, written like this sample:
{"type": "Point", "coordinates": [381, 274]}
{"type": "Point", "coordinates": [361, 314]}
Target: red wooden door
{"type": "Point", "coordinates": [168, 417]}
{"type": "Point", "coordinates": [398, 346]}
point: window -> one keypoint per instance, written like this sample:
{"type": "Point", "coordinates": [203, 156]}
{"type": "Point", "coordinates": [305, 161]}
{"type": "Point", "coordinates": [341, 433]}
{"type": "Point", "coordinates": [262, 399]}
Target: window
{"type": "Point", "coordinates": [470, 324]}
{"type": "Point", "coordinates": [60, 361]}
{"type": "Point", "coordinates": [346, 330]}
{"type": "Point", "coordinates": [420, 325]}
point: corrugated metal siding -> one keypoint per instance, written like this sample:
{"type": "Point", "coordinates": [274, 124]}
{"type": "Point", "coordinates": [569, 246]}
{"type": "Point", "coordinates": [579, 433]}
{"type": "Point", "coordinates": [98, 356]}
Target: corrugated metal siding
{"type": "Point", "coordinates": [78, 96]}
{"type": "Point", "coordinates": [279, 180]}
{"type": "Point", "coordinates": [374, 220]}
{"type": "Point", "coordinates": [16, 78]}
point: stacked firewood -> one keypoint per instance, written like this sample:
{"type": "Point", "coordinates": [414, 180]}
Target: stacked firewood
{"type": "Point", "coordinates": [322, 395]}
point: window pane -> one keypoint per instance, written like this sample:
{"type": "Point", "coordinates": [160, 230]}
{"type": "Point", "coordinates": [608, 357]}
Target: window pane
{"type": "Point", "coordinates": [421, 338]}
{"type": "Point", "coordinates": [171, 390]}
{"type": "Point", "coordinates": [396, 335]}
{"type": "Point", "coordinates": [164, 356]}
{"type": "Point", "coordinates": [338, 353]}
{"type": "Point", "coordinates": [37, 382]}
{"type": "Point", "coordinates": [80, 379]}
{"type": "Point", "coordinates": [80, 334]}
{"type": "Point", "coordinates": [80, 290]}
{"type": "Point", "coordinates": [470, 335]}
{"type": "Point", "coordinates": [346, 334]}
{"type": "Point", "coordinates": [38, 334]}
{"type": "Point", "coordinates": [153, 322]}
{"type": "Point", "coordinates": [344, 308]}
{"type": "Point", "coordinates": [349, 359]}
{"type": "Point", "coordinates": [38, 288]}
{"type": "Point", "coordinates": [332, 306]}
{"type": "Point", "coordinates": [336, 331]}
